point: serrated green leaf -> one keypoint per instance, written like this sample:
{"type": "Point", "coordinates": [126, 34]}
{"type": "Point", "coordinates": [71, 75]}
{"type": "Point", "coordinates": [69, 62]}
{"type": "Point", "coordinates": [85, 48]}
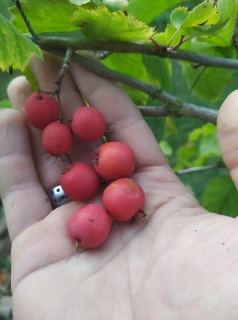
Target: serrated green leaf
{"type": "Point", "coordinates": [15, 49]}
{"type": "Point", "coordinates": [122, 63]}
{"type": "Point", "coordinates": [101, 24]}
{"type": "Point", "coordinates": [79, 2]}
{"type": "Point", "coordinates": [178, 16]}
{"type": "Point", "coordinates": [148, 10]}
{"type": "Point", "coordinates": [5, 104]}
{"type": "Point", "coordinates": [116, 5]}
{"type": "Point", "coordinates": [158, 71]}
{"type": "Point", "coordinates": [221, 196]}
{"type": "Point", "coordinates": [45, 15]}
{"type": "Point", "coordinates": [204, 13]}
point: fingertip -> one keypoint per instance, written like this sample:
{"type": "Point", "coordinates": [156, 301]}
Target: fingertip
{"type": "Point", "coordinates": [227, 133]}
{"type": "Point", "coordinates": [18, 91]}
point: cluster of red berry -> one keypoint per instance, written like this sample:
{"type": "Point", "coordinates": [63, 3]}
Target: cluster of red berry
{"type": "Point", "coordinates": [113, 161]}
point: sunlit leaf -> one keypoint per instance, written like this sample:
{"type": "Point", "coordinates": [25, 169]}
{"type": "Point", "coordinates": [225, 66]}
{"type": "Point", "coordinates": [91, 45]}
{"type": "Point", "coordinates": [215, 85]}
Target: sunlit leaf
{"type": "Point", "coordinates": [147, 10]}
{"type": "Point", "coordinates": [170, 128]}
{"type": "Point", "coordinates": [45, 15]}
{"type": "Point", "coordinates": [221, 196]}
{"type": "Point", "coordinates": [15, 49]}
{"type": "Point", "coordinates": [122, 63]}
{"type": "Point", "coordinates": [166, 148]}
{"type": "Point", "coordinates": [204, 13]}
{"type": "Point", "coordinates": [178, 16]}
{"type": "Point", "coordinates": [102, 24]}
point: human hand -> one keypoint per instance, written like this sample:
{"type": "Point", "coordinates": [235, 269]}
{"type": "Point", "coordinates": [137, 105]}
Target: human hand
{"type": "Point", "coordinates": [181, 264]}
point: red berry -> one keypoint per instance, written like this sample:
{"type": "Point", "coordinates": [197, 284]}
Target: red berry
{"type": "Point", "coordinates": [123, 198]}
{"type": "Point", "coordinates": [114, 160]}
{"type": "Point", "coordinates": [80, 182]}
{"type": "Point", "coordinates": [88, 124]}
{"type": "Point", "coordinates": [41, 110]}
{"type": "Point", "coordinates": [89, 226]}
{"type": "Point", "coordinates": [57, 139]}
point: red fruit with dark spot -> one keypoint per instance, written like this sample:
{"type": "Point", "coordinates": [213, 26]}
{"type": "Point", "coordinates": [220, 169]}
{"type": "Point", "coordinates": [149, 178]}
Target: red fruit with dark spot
{"type": "Point", "coordinates": [88, 124]}
{"type": "Point", "coordinates": [89, 226]}
{"type": "Point", "coordinates": [57, 139]}
{"type": "Point", "coordinates": [80, 181]}
{"type": "Point", "coordinates": [123, 198]}
{"type": "Point", "coordinates": [41, 110]}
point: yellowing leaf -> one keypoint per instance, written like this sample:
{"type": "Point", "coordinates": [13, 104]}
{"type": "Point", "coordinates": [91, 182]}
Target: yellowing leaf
{"type": "Point", "coordinates": [15, 49]}
{"type": "Point", "coordinates": [202, 14]}
{"type": "Point", "coordinates": [101, 24]}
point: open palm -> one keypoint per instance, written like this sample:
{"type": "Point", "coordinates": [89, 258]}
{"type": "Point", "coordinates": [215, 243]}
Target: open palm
{"type": "Point", "coordinates": [181, 264]}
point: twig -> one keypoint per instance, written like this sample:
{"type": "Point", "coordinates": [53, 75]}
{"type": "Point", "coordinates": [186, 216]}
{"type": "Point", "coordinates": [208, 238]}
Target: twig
{"type": "Point", "coordinates": [187, 110]}
{"type": "Point", "coordinates": [178, 107]}
{"type": "Point", "coordinates": [203, 168]}
{"type": "Point", "coordinates": [34, 35]}
{"type": "Point", "coordinates": [64, 68]}
{"type": "Point", "coordinates": [129, 47]}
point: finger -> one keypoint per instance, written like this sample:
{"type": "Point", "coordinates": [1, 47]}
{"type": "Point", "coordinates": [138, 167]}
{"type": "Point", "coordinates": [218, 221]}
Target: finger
{"type": "Point", "coordinates": [130, 127]}
{"type": "Point", "coordinates": [24, 199]}
{"type": "Point", "coordinates": [227, 132]}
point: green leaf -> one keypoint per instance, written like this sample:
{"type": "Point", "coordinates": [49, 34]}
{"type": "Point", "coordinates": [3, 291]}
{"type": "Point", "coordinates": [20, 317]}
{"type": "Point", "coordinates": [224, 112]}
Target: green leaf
{"type": "Point", "coordinates": [101, 24]}
{"type": "Point", "coordinates": [170, 128]}
{"type": "Point", "coordinates": [15, 49]}
{"type": "Point", "coordinates": [166, 148]}
{"type": "Point", "coordinates": [163, 38]}
{"type": "Point", "coordinates": [45, 15]}
{"type": "Point", "coordinates": [221, 196]}
{"type": "Point", "coordinates": [211, 83]}
{"type": "Point", "coordinates": [122, 63]}
{"type": "Point", "coordinates": [5, 104]}
{"type": "Point", "coordinates": [31, 78]}
{"type": "Point", "coordinates": [147, 10]}
{"type": "Point", "coordinates": [158, 71]}
{"type": "Point", "coordinates": [178, 16]}
{"type": "Point", "coordinates": [98, 3]}
{"type": "Point", "coordinates": [204, 13]}
{"type": "Point", "coordinates": [227, 10]}
{"type": "Point", "coordinates": [116, 5]}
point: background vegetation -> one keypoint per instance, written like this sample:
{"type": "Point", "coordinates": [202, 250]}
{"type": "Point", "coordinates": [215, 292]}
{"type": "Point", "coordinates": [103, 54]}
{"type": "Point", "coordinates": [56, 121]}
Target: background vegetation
{"type": "Point", "coordinates": [189, 143]}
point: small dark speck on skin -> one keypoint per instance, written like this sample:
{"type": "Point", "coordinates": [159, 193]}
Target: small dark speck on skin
{"type": "Point", "coordinates": [223, 243]}
{"type": "Point", "coordinates": [195, 230]}
{"type": "Point", "coordinates": [47, 200]}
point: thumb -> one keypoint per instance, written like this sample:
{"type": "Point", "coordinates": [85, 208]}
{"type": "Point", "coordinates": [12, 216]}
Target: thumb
{"type": "Point", "coordinates": [227, 131]}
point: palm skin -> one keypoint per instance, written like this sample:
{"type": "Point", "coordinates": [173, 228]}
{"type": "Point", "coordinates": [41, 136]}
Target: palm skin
{"type": "Point", "coordinates": [180, 264]}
